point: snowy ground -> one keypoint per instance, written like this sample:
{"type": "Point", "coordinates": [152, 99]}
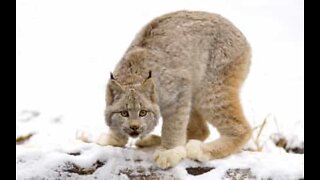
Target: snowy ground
{"type": "Point", "coordinates": [53, 152]}
{"type": "Point", "coordinates": [66, 49]}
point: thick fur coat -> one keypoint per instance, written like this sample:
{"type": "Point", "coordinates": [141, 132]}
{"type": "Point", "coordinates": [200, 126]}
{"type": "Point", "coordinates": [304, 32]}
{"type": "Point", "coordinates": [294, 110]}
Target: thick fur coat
{"type": "Point", "coordinates": [187, 67]}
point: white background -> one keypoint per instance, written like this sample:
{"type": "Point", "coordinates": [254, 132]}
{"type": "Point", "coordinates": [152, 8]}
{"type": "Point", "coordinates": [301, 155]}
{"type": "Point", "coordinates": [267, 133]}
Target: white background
{"type": "Point", "coordinates": [67, 48]}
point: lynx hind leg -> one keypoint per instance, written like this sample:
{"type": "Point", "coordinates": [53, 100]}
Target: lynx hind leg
{"type": "Point", "coordinates": [197, 127]}
{"type": "Point", "coordinates": [221, 108]}
{"type": "Point", "coordinates": [149, 141]}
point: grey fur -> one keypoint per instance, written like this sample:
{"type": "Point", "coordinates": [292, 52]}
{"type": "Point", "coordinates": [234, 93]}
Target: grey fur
{"type": "Point", "coordinates": [198, 61]}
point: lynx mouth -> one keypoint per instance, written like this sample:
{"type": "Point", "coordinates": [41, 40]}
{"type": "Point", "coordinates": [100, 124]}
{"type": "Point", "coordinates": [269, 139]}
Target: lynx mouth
{"type": "Point", "coordinates": [134, 134]}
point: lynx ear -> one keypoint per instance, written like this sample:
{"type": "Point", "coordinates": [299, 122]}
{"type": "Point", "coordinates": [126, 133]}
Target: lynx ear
{"type": "Point", "coordinates": [148, 88]}
{"type": "Point", "coordinates": [111, 76]}
{"type": "Point", "coordinates": [150, 75]}
{"type": "Point", "coordinates": [114, 89]}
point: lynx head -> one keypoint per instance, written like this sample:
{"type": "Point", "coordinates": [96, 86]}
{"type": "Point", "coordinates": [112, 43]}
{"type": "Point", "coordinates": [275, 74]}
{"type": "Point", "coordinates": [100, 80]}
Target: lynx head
{"type": "Point", "coordinates": [132, 110]}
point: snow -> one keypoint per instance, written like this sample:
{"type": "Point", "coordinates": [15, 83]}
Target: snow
{"type": "Point", "coordinates": [37, 163]}
{"type": "Point", "coordinates": [66, 49]}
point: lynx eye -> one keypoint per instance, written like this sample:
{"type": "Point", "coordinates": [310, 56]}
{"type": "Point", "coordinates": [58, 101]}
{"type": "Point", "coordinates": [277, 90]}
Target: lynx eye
{"type": "Point", "coordinates": [142, 113]}
{"type": "Point", "coordinates": [124, 113]}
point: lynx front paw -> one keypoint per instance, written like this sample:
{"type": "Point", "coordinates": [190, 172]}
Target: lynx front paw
{"type": "Point", "coordinates": [169, 158]}
{"type": "Point", "coordinates": [83, 136]}
{"type": "Point", "coordinates": [109, 139]}
{"type": "Point", "coordinates": [196, 151]}
{"type": "Point", "coordinates": [149, 141]}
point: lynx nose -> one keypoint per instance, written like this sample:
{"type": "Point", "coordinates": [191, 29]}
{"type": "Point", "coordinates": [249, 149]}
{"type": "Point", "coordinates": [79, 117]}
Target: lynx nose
{"type": "Point", "coordinates": [134, 127]}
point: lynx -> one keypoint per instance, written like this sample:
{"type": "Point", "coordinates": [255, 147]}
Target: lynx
{"type": "Point", "coordinates": [186, 67]}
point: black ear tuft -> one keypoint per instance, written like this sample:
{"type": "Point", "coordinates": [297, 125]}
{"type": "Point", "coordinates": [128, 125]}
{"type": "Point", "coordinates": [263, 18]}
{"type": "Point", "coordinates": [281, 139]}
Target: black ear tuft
{"type": "Point", "coordinates": [150, 74]}
{"type": "Point", "coordinates": [111, 76]}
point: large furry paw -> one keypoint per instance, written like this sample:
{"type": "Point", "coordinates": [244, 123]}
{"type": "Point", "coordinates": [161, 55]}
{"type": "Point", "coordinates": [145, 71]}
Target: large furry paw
{"type": "Point", "coordinates": [83, 136]}
{"type": "Point", "coordinates": [169, 158]}
{"type": "Point", "coordinates": [110, 139]}
{"type": "Point", "coordinates": [196, 151]}
{"type": "Point", "coordinates": [149, 141]}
